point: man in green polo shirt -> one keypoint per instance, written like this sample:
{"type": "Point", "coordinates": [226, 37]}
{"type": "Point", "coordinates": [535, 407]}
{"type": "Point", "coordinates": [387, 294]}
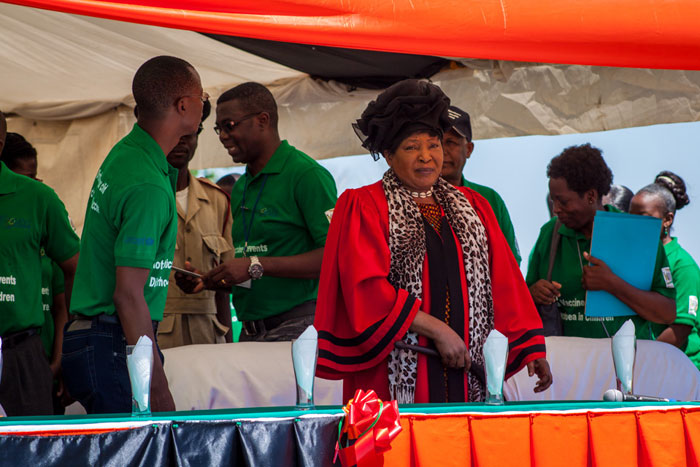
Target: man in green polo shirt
{"type": "Point", "coordinates": [281, 208]}
{"type": "Point", "coordinates": [31, 217]}
{"type": "Point", "coordinates": [128, 243]}
{"type": "Point", "coordinates": [457, 147]}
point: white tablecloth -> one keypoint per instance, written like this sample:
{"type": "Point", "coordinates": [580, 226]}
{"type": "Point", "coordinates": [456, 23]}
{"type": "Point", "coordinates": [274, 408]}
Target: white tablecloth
{"type": "Point", "coordinates": [253, 374]}
{"type": "Point", "coordinates": [583, 370]}
{"type": "Point", "coordinates": [243, 374]}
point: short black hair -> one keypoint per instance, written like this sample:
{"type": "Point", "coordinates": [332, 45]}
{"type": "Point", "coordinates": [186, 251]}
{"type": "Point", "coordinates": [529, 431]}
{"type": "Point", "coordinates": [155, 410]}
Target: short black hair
{"type": "Point", "coordinates": [206, 110]}
{"type": "Point", "coordinates": [159, 82]}
{"type": "Point", "coordinates": [620, 197]}
{"type": "Point", "coordinates": [583, 168]}
{"type": "Point", "coordinates": [671, 189]}
{"type": "Point", "coordinates": [254, 97]}
{"type": "Point", "coordinates": [16, 148]}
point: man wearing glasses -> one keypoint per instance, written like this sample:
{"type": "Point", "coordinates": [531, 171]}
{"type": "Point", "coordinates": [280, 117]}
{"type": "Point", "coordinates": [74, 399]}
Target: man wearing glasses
{"type": "Point", "coordinates": [281, 208]}
{"type": "Point", "coordinates": [128, 243]}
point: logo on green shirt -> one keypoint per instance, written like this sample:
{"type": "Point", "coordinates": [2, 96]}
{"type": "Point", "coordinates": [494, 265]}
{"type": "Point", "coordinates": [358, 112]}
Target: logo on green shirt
{"type": "Point", "coordinates": [15, 222]}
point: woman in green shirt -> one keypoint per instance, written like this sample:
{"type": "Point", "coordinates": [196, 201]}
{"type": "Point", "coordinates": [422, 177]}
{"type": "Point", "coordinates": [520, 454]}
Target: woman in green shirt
{"type": "Point", "coordinates": [578, 180]}
{"type": "Point", "coordinates": [662, 199]}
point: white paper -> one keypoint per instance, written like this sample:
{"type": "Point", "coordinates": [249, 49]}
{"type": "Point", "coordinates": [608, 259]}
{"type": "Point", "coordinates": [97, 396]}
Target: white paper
{"type": "Point", "coordinates": [623, 349]}
{"type": "Point", "coordinates": [304, 351]}
{"type": "Point", "coordinates": [140, 366]}
{"type": "Point", "coordinates": [495, 358]}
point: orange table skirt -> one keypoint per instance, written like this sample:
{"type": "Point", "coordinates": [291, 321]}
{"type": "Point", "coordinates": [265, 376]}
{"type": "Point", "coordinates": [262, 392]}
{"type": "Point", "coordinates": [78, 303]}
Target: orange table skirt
{"type": "Point", "coordinates": [636, 436]}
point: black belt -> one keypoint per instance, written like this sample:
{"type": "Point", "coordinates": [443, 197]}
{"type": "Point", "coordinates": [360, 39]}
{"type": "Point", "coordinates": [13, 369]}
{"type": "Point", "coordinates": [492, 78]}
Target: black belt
{"type": "Point", "coordinates": [16, 338]}
{"type": "Point", "coordinates": [258, 326]}
{"type": "Point", "coordinates": [103, 318]}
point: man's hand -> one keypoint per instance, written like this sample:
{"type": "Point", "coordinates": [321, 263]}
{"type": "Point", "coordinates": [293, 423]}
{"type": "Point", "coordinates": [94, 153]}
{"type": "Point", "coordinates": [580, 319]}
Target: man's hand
{"type": "Point", "coordinates": [135, 320]}
{"type": "Point", "coordinates": [62, 394]}
{"type": "Point", "coordinates": [161, 399]}
{"type": "Point", "coordinates": [540, 367]}
{"type": "Point", "coordinates": [227, 274]}
{"type": "Point", "coordinates": [187, 283]}
{"type": "Point", "coordinates": [544, 292]}
{"type": "Point", "coordinates": [597, 276]}
{"type": "Point", "coordinates": [55, 366]}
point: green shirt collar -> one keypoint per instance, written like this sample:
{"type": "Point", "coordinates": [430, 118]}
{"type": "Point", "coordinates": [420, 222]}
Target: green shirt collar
{"type": "Point", "coordinates": [140, 138]}
{"type": "Point", "coordinates": [8, 180]}
{"type": "Point", "coordinates": [672, 245]}
{"type": "Point", "coordinates": [568, 232]}
{"type": "Point", "coordinates": [278, 160]}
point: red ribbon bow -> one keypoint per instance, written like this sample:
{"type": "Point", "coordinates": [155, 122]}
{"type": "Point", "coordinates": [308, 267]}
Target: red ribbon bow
{"type": "Point", "coordinates": [367, 430]}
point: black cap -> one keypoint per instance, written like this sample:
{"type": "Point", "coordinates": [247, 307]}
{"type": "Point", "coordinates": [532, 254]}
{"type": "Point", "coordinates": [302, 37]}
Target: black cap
{"type": "Point", "coordinates": [460, 122]}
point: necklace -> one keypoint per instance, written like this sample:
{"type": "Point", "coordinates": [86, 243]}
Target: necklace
{"type": "Point", "coordinates": [424, 194]}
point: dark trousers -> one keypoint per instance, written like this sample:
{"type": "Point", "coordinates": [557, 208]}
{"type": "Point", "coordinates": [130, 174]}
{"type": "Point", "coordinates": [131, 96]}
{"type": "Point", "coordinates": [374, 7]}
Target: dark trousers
{"type": "Point", "coordinates": [283, 327]}
{"type": "Point", "coordinates": [94, 365]}
{"type": "Point", "coordinates": [26, 382]}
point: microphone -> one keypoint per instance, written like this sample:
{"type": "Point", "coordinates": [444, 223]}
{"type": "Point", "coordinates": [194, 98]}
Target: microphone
{"type": "Point", "coordinates": [613, 395]}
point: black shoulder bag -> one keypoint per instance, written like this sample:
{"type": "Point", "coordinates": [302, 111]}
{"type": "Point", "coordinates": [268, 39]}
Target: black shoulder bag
{"type": "Point", "coordinates": [550, 314]}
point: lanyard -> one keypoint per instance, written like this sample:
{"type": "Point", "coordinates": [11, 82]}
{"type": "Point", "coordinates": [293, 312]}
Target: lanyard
{"type": "Point", "coordinates": [247, 229]}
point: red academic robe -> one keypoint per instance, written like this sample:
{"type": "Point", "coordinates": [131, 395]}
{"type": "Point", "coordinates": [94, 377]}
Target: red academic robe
{"type": "Point", "coordinates": [360, 315]}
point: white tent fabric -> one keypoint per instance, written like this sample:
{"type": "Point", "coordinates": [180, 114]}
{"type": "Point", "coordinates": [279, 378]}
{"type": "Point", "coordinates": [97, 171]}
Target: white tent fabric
{"type": "Point", "coordinates": [58, 66]}
{"type": "Point", "coordinates": [65, 80]}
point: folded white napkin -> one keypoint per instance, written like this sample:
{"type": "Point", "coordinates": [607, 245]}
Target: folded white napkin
{"type": "Point", "coordinates": [304, 351]}
{"type": "Point", "coordinates": [623, 349]}
{"type": "Point", "coordinates": [495, 358]}
{"type": "Point", "coordinates": [140, 366]}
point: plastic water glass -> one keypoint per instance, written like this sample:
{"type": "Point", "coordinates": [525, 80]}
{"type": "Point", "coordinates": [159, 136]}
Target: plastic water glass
{"type": "Point", "coordinates": [140, 380]}
{"type": "Point", "coordinates": [495, 361]}
{"type": "Point", "coordinates": [494, 384]}
{"type": "Point", "coordinates": [624, 349]}
{"type": "Point", "coordinates": [304, 356]}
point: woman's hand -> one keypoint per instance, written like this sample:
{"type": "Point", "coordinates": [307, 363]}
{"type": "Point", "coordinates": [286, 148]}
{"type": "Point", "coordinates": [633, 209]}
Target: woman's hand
{"type": "Point", "coordinates": [597, 275]}
{"type": "Point", "coordinates": [449, 345]}
{"type": "Point", "coordinates": [452, 349]}
{"type": "Point", "coordinates": [649, 304]}
{"type": "Point", "coordinates": [540, 367]}
{"type": "Point", "coordinates": [544, 292]}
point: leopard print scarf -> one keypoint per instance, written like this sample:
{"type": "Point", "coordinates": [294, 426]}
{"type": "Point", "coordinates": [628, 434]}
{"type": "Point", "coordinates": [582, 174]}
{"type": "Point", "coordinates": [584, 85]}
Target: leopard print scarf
{"type": "Point", "coordinates": [408, 249]}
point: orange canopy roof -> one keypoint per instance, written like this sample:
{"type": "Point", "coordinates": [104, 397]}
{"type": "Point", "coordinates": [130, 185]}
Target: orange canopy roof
{"type": "Point", "coordinates": [627, 33]}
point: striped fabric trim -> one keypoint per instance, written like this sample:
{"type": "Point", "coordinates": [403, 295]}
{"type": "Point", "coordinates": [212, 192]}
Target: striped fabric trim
{"type": "Point", "coordinates": [74, 428]}
{"type": "Point", "coordinates": [526, 337]}
{"type": "Point", "coordinates": [383, 343]}
{"type": "Point", "coordinates": [522, 354]}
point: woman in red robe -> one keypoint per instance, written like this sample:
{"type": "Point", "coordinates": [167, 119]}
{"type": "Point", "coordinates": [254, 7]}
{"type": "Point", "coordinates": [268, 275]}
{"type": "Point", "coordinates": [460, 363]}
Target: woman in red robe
{"type": "Point", "coordinates": [413, 259]}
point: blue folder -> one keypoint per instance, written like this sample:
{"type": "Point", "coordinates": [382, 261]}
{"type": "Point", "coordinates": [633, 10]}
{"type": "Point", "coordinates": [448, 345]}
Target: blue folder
{"type": "Point", "coordinates": [628, 244]}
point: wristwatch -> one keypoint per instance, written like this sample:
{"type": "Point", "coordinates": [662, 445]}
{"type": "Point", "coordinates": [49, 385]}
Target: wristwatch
{"type": "Point", "coordinates": [255, 269]}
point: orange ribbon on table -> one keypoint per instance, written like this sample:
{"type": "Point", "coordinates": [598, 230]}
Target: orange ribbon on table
{"type": "Point", "coordinates": [367, 429]}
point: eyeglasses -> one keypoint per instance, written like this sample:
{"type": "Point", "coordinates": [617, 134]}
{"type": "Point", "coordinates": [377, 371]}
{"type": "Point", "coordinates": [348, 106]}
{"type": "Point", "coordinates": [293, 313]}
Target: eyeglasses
{"type": "Point", "coordinates": [229, 125]}
{"type": "Point", "coordinates": [204, 97]}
